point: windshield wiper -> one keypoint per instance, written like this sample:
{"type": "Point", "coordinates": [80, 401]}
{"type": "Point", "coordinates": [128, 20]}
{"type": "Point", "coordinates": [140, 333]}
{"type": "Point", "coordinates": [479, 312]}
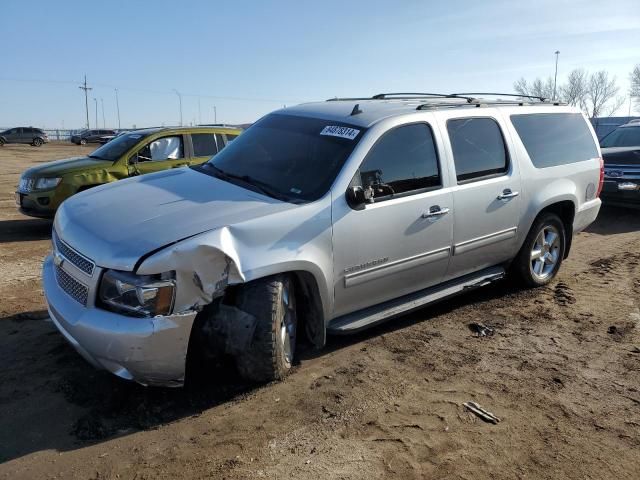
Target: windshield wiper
{"type": "Point", "coordinates": [262, 187]}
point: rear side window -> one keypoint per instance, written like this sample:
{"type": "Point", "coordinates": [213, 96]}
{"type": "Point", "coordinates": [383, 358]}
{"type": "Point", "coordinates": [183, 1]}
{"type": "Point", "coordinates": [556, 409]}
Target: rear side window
{"type": "Point", "coordinates": [230, 137]}
{"type": "Point", "coordinates": [403, 160]}
{"type": "Point", "coordinates": [555, 138]}
{"type": "Point", "coordinates": [204, 144]}
{"type": "Point", "coordinates": [478, 148]}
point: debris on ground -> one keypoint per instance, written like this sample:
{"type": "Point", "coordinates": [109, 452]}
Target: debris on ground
{"type": "Point", "coordinates": [481, 330]}
{"type": "Point", "coordinates": [480, 412]}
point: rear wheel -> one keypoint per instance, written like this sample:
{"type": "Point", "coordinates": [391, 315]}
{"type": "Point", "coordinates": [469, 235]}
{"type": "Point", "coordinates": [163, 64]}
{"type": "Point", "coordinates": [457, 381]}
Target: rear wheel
{"type": "Point", "coordinates": [83, 141]}
{"type": "Point", "coordinates": [541, 255]}
{"type": "Point", "coordinates": [271, 352]}
{"type": "Point", "coordinates": [2, 141]}
{"type": "Point", "coordinates": [37, 142]}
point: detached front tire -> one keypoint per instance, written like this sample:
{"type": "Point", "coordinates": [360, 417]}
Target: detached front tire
{"type": "Point", "coordinates": [272, 302]}
{"type": "Point", "coordinates": [541, 255]}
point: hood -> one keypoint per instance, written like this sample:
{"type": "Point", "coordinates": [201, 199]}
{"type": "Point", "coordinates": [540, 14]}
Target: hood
{"type": "Point", "coordinates": [116, 224]}
{"type": "Point", "coordinates": [58, 168]}
{"type": "Point", "coordinates": [621, 155]}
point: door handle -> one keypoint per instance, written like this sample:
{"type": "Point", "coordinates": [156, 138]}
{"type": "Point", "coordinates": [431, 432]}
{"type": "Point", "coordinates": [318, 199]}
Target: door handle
{"type": "Point", "coordinates": [435, 211]}
{"type": "Point", "coordinates": [507, 193]}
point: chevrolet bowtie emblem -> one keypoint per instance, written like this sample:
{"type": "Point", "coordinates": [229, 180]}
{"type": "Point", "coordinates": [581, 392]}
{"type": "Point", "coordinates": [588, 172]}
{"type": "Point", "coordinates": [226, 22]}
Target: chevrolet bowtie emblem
{"type": "Point", "coordinates": [58, 259]}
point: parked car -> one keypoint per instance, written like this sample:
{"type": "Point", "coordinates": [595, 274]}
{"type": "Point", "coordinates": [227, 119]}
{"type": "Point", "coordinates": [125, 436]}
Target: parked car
{"type": "Point", "coordinates": [44, 187]}
{"type": "Point", "coordinates": [323, 218]}
{"type": "Point", "coordinates": [621, 154]}
{"type": "Point", "coordinates": [91, 136]}
{"type": "Point", "coordinates": [29, 135]}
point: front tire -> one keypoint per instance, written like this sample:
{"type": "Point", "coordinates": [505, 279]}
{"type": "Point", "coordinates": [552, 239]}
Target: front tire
{"type": "Point", "coordinates": [271, 352]}
{"type": "Point", "coordinates": [540, 257]}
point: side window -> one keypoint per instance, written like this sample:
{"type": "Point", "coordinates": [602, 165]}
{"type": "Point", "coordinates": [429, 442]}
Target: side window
{"type": "Point", "coordinates": [204, 144]}
{"type": "Point", "coordinates": [231, 137]}
{"type": "Point", "coordinates": [403, 160]}
{"type": "Point", "coordinates": [478, 148]}
{"type": "Point", "coordinates": [165, 148]}
{"type": "Point", "coordinates": [555, 138]}
{"type": "Point", "coordinates": [220, 141]}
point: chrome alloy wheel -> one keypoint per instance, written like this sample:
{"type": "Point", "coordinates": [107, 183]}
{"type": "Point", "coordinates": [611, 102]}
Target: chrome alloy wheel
{"type": "Point", "coordinates": [289, 323]}
{"type": "Point", "coordinates": [545, 252]}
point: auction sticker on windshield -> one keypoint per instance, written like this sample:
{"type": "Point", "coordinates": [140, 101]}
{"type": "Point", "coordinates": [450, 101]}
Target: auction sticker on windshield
{"type": "Point", "coordinates": [342, 132]}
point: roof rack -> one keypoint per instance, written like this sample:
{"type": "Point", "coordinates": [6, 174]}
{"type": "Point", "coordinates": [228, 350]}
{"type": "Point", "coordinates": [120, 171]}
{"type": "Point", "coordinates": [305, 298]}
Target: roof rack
{"type": "Point", "coordinates": [404, 96]}
{"type": "Point", "coordinates": [517, 95]}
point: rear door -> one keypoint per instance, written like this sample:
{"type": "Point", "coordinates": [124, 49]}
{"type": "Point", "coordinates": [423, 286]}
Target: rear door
{"type": "Point", "coordinates": [486, 197]}
{"type": "Point", "coordinates": [23, 135]}
{"type": "Point", "coordinates": [159, 154]}
{"type": "Point", "coordinates": [204, 146]}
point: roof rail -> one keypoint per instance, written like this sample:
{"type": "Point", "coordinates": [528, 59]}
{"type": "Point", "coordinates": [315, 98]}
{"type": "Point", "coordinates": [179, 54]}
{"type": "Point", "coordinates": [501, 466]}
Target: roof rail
{"type": "Point", "coordinates": [517, 95]}
{"type": "Point", "coordinates": [383, 96]}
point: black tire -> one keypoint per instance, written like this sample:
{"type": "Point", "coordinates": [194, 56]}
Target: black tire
{"type": "Point", "coordinates": [37, 142]}
{"type": "Point", "coordinates": [2, 142]}
{"type": "Point", "coordinates": [83, 141]}
{"type": "Point", "coordinates": [525, 266]}
{"type": "Point", "coordinates": [269, 356]}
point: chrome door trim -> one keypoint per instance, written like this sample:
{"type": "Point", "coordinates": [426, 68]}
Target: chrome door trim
{"type": "Point", "coordinates": [485, 240]}
{"type": "Point", "coordinates": [378, 271]}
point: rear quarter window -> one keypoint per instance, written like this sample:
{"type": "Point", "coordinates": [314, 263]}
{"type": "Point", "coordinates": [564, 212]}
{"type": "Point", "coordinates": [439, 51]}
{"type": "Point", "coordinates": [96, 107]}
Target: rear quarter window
{"type": "Point", "coordinates": [553, 139]}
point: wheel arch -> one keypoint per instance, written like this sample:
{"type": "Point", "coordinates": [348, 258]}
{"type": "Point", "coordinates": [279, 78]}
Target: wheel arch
{"type": "Point", "coordinates": [565, 208]}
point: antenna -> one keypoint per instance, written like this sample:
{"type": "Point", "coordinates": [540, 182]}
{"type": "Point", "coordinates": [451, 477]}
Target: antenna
{"type": "Point", "coordinates": [356, 110]}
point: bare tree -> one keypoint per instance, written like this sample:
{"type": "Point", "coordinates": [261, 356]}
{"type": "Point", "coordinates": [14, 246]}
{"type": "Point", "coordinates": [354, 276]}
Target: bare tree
{"type": "Point", "coordinates": [538, 88]}
{"type": "Point", "coordinates": [574, 92]}
{"type": "Point", "coordinates": [635, 84]}
{"type": "Point", "coordinates": [601, 100]}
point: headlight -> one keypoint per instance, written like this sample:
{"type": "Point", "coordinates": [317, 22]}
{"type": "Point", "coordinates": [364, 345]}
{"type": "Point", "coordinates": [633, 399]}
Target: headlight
{"type": "Point", "coordinates": [137, 295]}
{"type": "Point", "coordinates": [47, 183]}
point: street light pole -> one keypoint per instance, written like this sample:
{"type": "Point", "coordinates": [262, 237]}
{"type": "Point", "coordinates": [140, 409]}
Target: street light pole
{"type": "Point", "coordinates": [102, 106]}
{"type": "Point", "coordinates": [215, 114]}
{"type": "Point", "coordinates": [180, 100]}
{"type": "Point", "coordinates": [118, 107]}
{"type": "Point", "coordinates": [555, 78]}
{"type": "Point", "coordinates": [96, 102]}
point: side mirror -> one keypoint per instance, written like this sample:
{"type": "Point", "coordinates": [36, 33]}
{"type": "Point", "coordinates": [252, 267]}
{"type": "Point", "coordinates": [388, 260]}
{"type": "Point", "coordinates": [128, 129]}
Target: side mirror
{"type": "Point", "coordinates": [358, 197]}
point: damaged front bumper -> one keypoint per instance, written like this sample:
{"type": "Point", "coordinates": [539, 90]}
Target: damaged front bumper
{"type": "Point", "coordinates": [150, 351]}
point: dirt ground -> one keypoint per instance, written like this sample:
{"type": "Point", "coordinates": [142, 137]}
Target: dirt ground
{"type": "Point", "coordinates": [562, 372]}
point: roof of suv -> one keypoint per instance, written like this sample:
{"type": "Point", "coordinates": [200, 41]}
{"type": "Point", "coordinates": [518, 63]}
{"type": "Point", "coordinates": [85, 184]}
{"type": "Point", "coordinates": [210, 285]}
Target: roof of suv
{"type": "Point", "coordinates": [369, 110]}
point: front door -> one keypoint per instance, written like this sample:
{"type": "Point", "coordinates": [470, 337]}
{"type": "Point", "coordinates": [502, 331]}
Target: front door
{"type": "Point", "coordinates": [401, 242]}
{"type": "Point", "coordinates": [486, 197]}
{"type": "Point", "coordinates": [159, 154]}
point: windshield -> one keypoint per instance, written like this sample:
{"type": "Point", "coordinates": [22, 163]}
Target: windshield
{"type": "Point", "coordinates": [114, 149]}
{"type": "Point", "coordinates": [622, 137]}
{"type": "Point", "coordinates": [288, 157]}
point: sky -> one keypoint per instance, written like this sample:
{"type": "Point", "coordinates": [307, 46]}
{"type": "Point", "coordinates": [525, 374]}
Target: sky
{"type": "Point", "coordinates": [248, 58]}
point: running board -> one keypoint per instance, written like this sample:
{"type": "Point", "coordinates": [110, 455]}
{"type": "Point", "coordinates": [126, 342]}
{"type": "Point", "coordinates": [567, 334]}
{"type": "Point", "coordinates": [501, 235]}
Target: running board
{"type": "Point", "coordinates": [368, 317]}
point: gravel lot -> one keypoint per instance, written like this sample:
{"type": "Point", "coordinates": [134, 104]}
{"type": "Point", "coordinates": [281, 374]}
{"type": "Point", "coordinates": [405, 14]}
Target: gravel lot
{"type": "Point", "coordinates": [562, 372]}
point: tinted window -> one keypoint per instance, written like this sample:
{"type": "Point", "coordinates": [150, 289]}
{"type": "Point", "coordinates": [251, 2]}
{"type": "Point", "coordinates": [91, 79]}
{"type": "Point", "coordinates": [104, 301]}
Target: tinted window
{"type": "Point", "coordinates": [117, 147]}
{"type": "Point", "coordinates": [403, 160]}
{"type": "Point", "coordinates": [204, 144]}
{"type": "Point", "coordinates": [291, 157]}
{"type": "Point", "coordinates": [230, 137]}
{"type": "Point", "coordinates": [555, 138]}
{"type": "Point", "coordinates": [622, 137]}
{"type": "Point", "coordinates": [478, 148]}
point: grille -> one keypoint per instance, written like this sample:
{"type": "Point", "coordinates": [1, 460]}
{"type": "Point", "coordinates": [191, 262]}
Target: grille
{"type": "Point", "coordinates": [74, 257]}
{"type": "Point", "coordinates": [26, 184]}
{"type": "Point", "coordinates": [72, 287]}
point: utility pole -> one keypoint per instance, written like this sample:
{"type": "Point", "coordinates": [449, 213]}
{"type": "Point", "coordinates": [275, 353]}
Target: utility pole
{"type": "Point", "coordinates": [215, 115]}
{"type": "Point", "coordinates": [96, 102]}
{"type": "Point", "coordinates": [555, 78]}
{"type": "Point", "coordinates": [180, 100]}
{"type": "Point", "coordinates": [118, 107]}
{"type": "Point", "coordinates": [102, 105]}
{"type": "Point", "coordinates": [199, 112]}
{"type": "Point", "coordinates": [86, 99]}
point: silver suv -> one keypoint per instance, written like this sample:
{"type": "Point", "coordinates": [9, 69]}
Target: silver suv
{"type": "Point", "coordinates": [322, 218]}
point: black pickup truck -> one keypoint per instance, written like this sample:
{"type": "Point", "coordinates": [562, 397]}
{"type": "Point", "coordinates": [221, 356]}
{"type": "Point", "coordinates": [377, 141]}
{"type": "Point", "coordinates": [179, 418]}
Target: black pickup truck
{"type": "Point", "coordinates": [621, 155]}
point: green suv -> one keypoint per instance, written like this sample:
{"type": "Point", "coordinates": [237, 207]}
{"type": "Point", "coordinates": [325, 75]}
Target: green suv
{"type": "Point", "coordinates": [44, 187]}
